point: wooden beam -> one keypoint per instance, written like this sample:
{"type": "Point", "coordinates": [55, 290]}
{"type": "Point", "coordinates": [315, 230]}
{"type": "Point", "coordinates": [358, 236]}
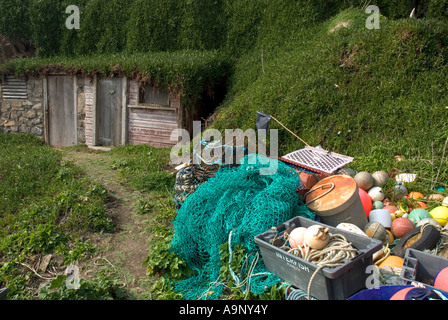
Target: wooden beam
{"type": "Point", "coordinates": [124, 112]}
{"type": "Point", "coordinates": [75, 102]}
{"type": "Point", "coordinates": [94, 111]}
{"type": "Point", "coordinates": [46, 110]}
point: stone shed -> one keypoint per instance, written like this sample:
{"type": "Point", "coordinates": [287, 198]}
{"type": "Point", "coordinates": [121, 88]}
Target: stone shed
{"type": "Point", "coordinates": [66, 110]}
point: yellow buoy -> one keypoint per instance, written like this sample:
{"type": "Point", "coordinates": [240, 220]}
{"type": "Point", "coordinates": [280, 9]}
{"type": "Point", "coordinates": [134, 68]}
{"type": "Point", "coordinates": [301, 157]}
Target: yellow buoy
{"type": "Point", "coordinates": [399, 213]}
{"type": "Point", "coordinates": [391, 238]}
{"type": "Point", "coordinates": [440, 214]}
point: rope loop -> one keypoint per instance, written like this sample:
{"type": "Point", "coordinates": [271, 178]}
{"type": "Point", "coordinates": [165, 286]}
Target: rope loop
{"type": "Point", "coordinates": [320, 196]}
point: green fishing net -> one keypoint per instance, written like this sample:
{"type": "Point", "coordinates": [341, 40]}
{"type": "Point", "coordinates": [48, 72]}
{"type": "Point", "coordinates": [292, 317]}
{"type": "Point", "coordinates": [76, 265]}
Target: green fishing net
{"type": "Point", "coordinates": [233, 207]}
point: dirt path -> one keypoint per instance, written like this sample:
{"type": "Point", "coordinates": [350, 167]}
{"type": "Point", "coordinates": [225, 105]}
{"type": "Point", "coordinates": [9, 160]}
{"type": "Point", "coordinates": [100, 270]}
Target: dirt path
{"type": "Point", "coordinates": [127, 248]}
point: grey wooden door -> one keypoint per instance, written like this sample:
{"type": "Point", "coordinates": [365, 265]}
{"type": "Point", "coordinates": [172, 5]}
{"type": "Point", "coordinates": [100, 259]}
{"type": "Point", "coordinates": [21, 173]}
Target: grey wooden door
{"type": "Point", "coordinates": [109, 113]}
{"type": "Point", "coordinates": [61, 111]}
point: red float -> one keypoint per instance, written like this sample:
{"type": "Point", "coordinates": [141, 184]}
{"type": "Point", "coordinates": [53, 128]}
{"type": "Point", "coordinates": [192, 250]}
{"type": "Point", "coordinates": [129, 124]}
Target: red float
{"type": "Point", "coordinates": [390, 208]}
{"type": "Point", "coordinates": [366, 201]}
{"type": "Point", "coordinates": [401, 226]}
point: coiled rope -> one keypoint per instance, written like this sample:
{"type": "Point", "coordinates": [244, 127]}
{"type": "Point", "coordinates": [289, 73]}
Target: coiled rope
{"type": "Point", "coordinates": [336, 253]}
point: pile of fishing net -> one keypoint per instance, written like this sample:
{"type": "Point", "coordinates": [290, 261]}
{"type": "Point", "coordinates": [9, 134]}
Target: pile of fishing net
{"type": "Point", "coordinates": [188, 179]}
{"type": "Point", "coordinates": [202, 168]}
{"type": "Point", "coordinates": [233, 207]}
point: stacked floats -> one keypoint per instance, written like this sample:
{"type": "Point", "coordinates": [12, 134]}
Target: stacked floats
{"type": "Point", "coordinates": [398, 218]}
{"type": "Point", "coordinates": [401, 219]}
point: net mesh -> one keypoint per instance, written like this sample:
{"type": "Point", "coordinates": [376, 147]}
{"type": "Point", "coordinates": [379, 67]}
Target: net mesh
{"type": "Point", "coordinates": [233, 207]}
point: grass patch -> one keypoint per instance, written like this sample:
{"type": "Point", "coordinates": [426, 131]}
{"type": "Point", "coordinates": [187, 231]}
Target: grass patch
{"type": "Point", "coordinates": [144, 167]}
{"type": "Point", "coordinates": [47, 207]}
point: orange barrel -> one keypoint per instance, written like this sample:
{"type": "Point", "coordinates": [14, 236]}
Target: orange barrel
{"type": "Point", "coordinates": [336, 199]}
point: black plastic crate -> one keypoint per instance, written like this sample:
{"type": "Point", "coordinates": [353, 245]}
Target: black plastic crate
{"type": "Point", "coordinates": [421, 268]}
{"type": "Point", "coordinates": [335, 283]}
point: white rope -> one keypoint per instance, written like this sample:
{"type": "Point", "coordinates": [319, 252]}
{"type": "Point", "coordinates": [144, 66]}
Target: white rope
{"type": "Point", "coordinates": [334, 254]}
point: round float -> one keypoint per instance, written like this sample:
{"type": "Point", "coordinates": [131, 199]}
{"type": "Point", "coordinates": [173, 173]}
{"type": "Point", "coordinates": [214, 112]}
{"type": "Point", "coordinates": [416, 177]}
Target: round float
{"type": "Point", "coordinates": [418, 214]}
{"type": "Point", "coordinates": [364, 180]}
{"type": "Point", "coordinates": [440, 214]}
{"type": "Point", "coordinates": [401, 226]}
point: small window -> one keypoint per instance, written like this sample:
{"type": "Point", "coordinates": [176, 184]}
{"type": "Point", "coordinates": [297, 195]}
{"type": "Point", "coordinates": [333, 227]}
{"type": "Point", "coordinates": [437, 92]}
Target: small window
{"type": "Point", "coordinates": [14, 89]}
{"type": "Point", "coordinates": [151, 95]}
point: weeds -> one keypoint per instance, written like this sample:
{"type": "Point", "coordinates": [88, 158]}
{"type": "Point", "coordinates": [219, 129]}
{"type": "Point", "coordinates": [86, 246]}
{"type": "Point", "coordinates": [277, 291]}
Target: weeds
{"type": "Point", "coordinates": [46, 206]}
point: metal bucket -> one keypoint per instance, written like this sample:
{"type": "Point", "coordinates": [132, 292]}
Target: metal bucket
{"type": "Point", "coordinates": [336, 199]}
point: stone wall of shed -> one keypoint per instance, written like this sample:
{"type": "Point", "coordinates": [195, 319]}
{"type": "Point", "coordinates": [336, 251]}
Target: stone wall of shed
{"type": "Point", "coordinates": [24, 116]}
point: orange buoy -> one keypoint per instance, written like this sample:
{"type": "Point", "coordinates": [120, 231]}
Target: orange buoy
{"type": "Point", "coordinates": [392, 261]}
{"type": "Point", "coordinates": [390, 208]}
{"type": "Point", "coordinates": [415, 195]}
{"type": "Point", "coordinates": [436, 196]}
{"type": "Point", "coordinates": [401, 295]}
{"type": "Point", "coordinates": [421, 205]}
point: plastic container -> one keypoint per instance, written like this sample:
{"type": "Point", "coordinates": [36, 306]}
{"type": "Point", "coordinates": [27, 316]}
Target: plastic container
{"type": "Point", "coordinates": [337, 283]}
{"type": "Point", "coordinates": [335, 200]}
{"type": "Point", "coordinates": [382, 216]}
{"type": "Point", "coordinates": [421, 268]}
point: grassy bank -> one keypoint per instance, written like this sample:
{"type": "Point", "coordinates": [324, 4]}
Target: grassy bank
{"type": "Point", "coordinates": [371, 94]}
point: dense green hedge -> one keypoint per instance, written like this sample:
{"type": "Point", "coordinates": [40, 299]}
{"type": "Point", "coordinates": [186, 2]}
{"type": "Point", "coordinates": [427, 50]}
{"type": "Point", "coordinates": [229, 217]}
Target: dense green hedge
{"type": "Point", "coordinates": [160, 25]}
{"type": "Point", "coordinates": [15, 22]}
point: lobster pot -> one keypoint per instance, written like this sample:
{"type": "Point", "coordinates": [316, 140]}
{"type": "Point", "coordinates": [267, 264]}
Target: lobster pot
{"type": "Point", "coordinates": [335, 200]}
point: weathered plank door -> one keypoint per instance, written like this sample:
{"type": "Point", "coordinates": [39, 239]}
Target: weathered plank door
{"type": "Point", "coordinates": [62, 130]}
{"type": "Point", "coordinates": [109, 111]}
{"type": "Point", "coordinates": [152, 125]}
